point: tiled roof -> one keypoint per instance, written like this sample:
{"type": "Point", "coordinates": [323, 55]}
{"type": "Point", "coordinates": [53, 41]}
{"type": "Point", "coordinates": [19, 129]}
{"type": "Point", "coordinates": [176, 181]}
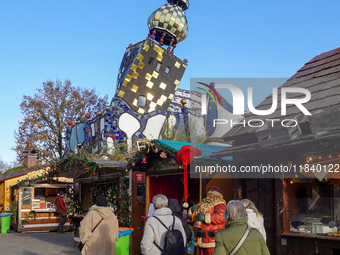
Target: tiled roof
{"type": "Point", "coordinates": [321, 76]}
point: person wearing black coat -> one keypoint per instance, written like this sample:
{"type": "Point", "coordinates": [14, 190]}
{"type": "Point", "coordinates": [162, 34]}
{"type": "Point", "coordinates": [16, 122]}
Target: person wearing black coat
{"type": "Point", "coordinates": [176, 211]}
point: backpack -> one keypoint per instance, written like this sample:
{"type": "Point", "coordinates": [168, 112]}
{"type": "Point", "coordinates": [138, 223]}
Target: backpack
{"type": "Point", "coordinates": [173, 241]}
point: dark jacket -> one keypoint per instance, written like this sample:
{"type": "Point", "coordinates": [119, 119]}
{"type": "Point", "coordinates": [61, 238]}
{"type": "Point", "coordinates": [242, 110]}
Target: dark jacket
{"type": "Point", "coordinates": [60, 204]}
{"type": "Point", "coordinates": [228, 238]}
{"type": "Point", "coordinates": [176, 211]}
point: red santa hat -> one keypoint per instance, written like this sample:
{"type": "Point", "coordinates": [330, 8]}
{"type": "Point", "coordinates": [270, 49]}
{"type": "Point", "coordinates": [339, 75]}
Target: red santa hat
{"type": "Point", "coordinates": [184, 156]}
{"type": "Point", "coordinates": [216, 191]}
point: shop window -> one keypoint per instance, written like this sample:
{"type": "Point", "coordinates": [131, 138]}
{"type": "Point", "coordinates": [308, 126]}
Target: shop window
{"type": "Point", "coordinates": [158, 67]}
{"type": "Point", "coordinates": [167, 70]}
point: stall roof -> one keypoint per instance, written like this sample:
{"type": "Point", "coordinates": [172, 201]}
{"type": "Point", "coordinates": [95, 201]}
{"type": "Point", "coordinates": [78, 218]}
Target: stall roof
{"type": "Point", "coordinates": [206, 149]}
{"type": "Point", "coordinates": [321, 76]}
{"type": "Point", "coordinates": [111, 163]}
{"type": "Point", "coordinates": [4, 177]}
{"type": "Point", "coordinates": [111, 166]}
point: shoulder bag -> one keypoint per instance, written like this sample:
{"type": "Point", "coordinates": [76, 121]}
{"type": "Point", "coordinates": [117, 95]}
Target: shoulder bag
{"type": "Point", "coordinates": [81, 245]}
{"type": "Point", "coordinates": [243, 238]}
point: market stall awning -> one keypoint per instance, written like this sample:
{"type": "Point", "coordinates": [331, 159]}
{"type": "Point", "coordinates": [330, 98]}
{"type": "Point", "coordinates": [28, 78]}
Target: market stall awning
{"type": "Point", "coordinates": [206, 149]}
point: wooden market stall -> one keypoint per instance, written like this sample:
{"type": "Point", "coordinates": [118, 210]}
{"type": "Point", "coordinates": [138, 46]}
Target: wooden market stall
{"type": "Point", "coordinates": [36, 207]}
{"type": "Point", "coordinates": [31, 204]}
{"type": "Point", "coordinates": [300, 205]}
{"type": "Point", "coordinates": [156, 171]}
{"type": "Point", "coordinates": [9, 194]}
{"type": "Point", "coordinates": [87, 186]}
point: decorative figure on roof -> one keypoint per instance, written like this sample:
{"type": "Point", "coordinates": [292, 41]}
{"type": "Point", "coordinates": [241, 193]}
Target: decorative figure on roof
{"type": "Point", "coordinates": [208, 217]}
{"type": "Point", "coordinates": [148, 77]}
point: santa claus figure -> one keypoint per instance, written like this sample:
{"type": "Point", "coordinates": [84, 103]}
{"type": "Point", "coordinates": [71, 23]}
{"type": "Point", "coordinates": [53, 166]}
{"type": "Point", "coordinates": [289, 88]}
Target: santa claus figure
{"type": "Point", "coordinates": [208, 218]}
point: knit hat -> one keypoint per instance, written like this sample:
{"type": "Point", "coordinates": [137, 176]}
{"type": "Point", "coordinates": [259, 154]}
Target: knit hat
{"type": "Point", "coordinates": [61, 193]}
{"type": "Point", "coordinates": [101, 200]}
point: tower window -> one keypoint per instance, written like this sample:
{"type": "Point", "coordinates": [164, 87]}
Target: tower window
{"type": "Point", "coordinates": [167, 70]}
{"type": "Point", "coordinates": [141, 101]}
{"type": "Point", "coordinates": [158, 67]}
{"type": "Point", "coordinates": [151, 60]}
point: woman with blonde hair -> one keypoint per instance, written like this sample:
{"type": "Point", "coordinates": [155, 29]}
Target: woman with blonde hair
{"type": "Point", "coordinates": [255, 218]}
{"type": "Point", "coordinates": [238, 238]}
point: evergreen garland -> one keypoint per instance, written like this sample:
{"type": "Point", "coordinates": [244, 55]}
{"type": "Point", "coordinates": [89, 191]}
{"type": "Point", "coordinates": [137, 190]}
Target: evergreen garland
{"type": "Point", "coordinates": [71, 162]}
{"type": "Point", "coordinates": [120, 200]}
{"type": "Point", "coordinates": [150, 148]}
{"type": "Point", "coordinates": [74, 208]}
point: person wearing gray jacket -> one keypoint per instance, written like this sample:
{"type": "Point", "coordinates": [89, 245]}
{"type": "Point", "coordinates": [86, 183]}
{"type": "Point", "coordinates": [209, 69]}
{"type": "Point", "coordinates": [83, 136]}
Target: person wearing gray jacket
{"type": "Point", "coordinates": [154, 231]}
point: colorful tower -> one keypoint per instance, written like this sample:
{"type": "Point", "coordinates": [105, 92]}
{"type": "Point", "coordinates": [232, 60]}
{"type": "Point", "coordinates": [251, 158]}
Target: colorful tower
{"type": "Point", "coordinates": [148, 77]}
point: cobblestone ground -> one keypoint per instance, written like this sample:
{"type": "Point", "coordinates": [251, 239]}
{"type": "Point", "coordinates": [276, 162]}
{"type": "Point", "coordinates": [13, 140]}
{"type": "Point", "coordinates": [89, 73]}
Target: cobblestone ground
{"type": "Point", "coordinates": [49, 243]}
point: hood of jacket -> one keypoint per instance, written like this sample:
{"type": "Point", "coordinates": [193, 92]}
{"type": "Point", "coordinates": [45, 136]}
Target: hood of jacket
{"type": "Point", "coordinates": [162, 212]}
{"type": "Point", "coordinates": [103, 211]}
{"type": "Point", "coordinates": [174, 207]}
{"type": "Point", "coordinates": [236, 222]}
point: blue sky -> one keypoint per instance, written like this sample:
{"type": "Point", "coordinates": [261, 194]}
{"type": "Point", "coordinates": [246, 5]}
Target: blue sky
{"type": "Point", "coordinates": [84, 41]}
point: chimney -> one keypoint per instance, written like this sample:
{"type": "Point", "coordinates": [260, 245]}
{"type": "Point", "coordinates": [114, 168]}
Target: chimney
{"type": "Point", "coordinates": [30, 159]}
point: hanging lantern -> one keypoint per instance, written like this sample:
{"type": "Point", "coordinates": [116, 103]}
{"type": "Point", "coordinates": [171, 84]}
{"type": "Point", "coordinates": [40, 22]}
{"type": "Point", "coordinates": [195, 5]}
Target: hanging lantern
{"type": "Point", "coordinates": [144, 160]}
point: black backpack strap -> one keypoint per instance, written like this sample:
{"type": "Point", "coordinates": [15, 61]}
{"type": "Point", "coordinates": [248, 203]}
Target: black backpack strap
{"type": "Point", "coordinates": [173, 223]}
{"type": "Point", "coordinates": [158, 246]}
{"type": "Point", "coordinates": [162, 222]}
{"type": "Point", "coordinates": [166, 229]}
